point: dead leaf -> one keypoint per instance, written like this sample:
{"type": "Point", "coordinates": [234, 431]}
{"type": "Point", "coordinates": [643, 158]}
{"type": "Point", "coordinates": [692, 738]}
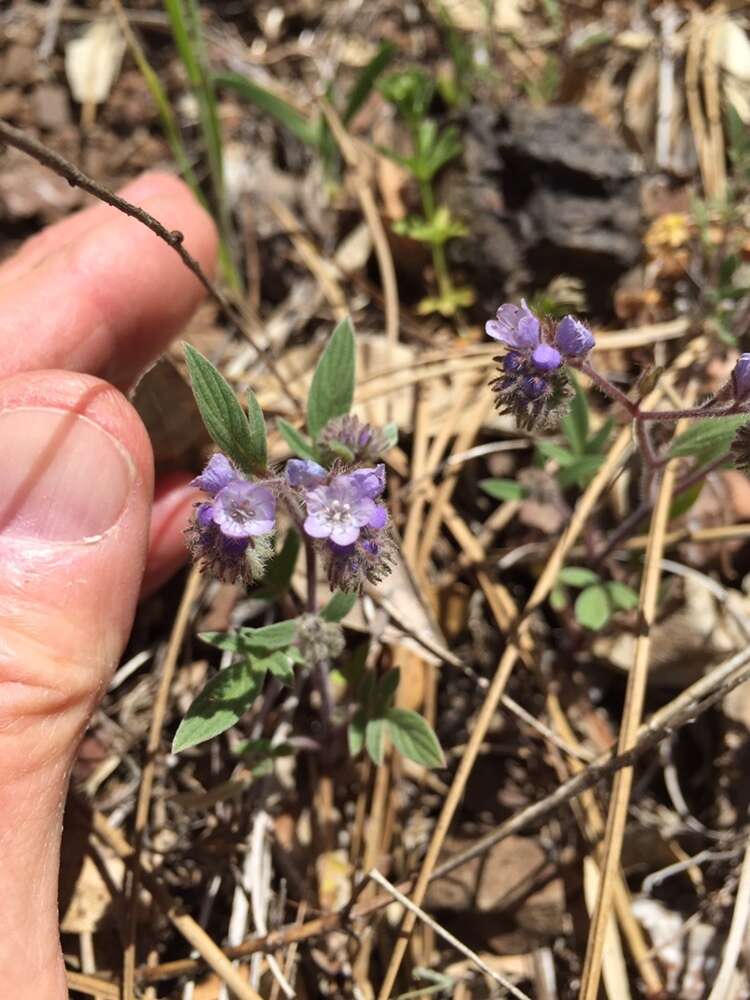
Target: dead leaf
{"type": "Point", "coordinates": [92, 61]}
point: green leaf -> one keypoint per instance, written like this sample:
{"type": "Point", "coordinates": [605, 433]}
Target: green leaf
{"type": "Point", "coordinates": [386, 691]}
{"type": "Point", "coordinates": [413, 737]}
{"type": "Point", "coordinates": [257, 424]}
{"type": "Point", "coordinates": [597, 443]}
{"type": "Point", "coordinates": [222, 702]}
{"type": "Point", "coordinates": [390, 433]}
{"type": "Point", "coordinates": [708, 438]}
{"type": "Point", "coordinates": [221, 413]}
{"type": "Point", "coordinates": [278, 635]}
{"type": "Point", "coordinates": [274, 636]}
{"type": "Point", "coordinates": [549, 449]}
{"type": "Point", "coordinates": [297, 442]}
{"type": "Point", "coordinates": [356, 732]}
{"type": "Point", "coordinates": [278, 664]}
{"type": "Point", "coordinates": [575, 424]}
{"type": "Point", "coordinates": [366, 80]}
{"type": "Point", "coordinates": [502, 489]}
{"type": "Point", "coordinates": [580, 472]}
{"type": "Point", "coordinates": [621, 595]}
{"type": "Point", "coordinates": [577, 576]}
{"type": "Point", "coordinates": [374, 734]}
{"type": "Point", "coordinates": [287, 116]}
{"type": "Point", "coordinates": [280, 569]}
{"type": "Point", "coordinates": [592, 607]}
{"type": "Point", "coordinates": [332, 389]}
{"type": "Point", "coordinates": [685, 500]}
{"type": "Point", "coordinates": [352, 668]}
{"type": "Point", "coordinates": [339, 606]}
{"type": "Point", "coordinates": [558, 597]}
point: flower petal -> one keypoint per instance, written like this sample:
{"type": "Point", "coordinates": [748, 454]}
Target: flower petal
{"type": "Point", "coordinates": [218, 473]}
{"type": "Point", "coordinates": [344, 533]}
{"type": "Point", "coordinates": [546, 358]}
{"type": "Point", "coordinates": [378, 518]}
{"type": "Point", "coordinates": [316, 527]}
{"type": "Point", "coordinates": [303, 472]}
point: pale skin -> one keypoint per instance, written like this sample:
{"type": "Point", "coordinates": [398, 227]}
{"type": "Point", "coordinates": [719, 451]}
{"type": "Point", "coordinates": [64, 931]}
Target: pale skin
{"type": "Point", "coordinates": [85, 306]}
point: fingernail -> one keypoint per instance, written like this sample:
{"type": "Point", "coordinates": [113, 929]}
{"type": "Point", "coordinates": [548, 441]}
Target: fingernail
{"type": "Point", "coordinates": [63, 478]}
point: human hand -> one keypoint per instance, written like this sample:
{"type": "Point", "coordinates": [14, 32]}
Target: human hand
{"type": "Point", "coordinates": [95, 297]}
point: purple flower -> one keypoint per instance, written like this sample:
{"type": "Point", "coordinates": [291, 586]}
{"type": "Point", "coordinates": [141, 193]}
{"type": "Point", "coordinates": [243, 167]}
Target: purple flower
{"type": "Point", "coordinates": [534, 387]}
{"type": "Point", "coordinates": [222, 556]}
{"type": "Point", "coordinates": [573, 338]}
{"type": "Point", "coordinates": [352, 439]}
{"type": "Point", "coordinates": [546, 358]}
{"type": "Point", "coordinates": [741, 377]}
{"type": "Point", "coordinates": [371, 482]}
{"type": "Point", "coordinates": [371, 558]}
{"type": "Point", "coordinates": [244, 509]}
{"type": "Point", "coordinates": [515, 326]}
{"type": "Point", "coordinates": [513, 362]}
{"type": "Point", "coordinates": [303, 472]}
{"type": "Point", "coordinates": [218, 473]}
{"type": "Point", "coordinates": [341, 509]}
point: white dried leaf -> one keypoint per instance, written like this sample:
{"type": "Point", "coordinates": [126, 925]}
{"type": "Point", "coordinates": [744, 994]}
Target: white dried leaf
{"type": "Point", "coordinates": [734, 58]}
{"type": "Point", "coordinates": [92, 61]}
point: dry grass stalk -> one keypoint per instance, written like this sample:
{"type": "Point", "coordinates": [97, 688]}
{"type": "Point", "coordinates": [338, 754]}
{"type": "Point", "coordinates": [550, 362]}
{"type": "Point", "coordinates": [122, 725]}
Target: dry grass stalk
{"type": "Point", "coordinates": [192, 588]}
{"type": "Point", "coordinates": [496, 690]}
{"type": "Point", "coordinates": [355, 157]}
{"type": "Point", "coordinates": [632, 712]}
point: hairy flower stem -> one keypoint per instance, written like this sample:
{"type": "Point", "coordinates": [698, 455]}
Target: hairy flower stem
{"type": "Point", "coordinates": [672, 416]}
{"type": "Point", "coordinates": [608, 388]}
{"type": "Point", "coordinates": [650, 456]}
{"type": "Point", "coordinates": [320, 669]}
{"type": "Point", "coordinates": [312, 577]}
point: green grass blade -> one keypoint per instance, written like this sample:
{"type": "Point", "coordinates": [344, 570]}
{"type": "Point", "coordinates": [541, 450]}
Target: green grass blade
{"type": "Point", "coordinates": [366, 80]}
{"type": "Point", "coordinates": [184, 19]}
{"type": "Point", "coordinates": [279, 109]}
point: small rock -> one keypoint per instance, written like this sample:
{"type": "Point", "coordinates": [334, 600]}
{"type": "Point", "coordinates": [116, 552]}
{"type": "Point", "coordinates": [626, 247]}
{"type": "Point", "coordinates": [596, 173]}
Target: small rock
{"type": "Point", "coordinates": [544, 192]}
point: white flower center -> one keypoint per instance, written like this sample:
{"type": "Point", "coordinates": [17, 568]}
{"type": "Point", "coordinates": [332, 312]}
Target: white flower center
{"type": "Point", "coordinates": [339, 512]}
{"type": "Point", "coordinates": [241, 511]}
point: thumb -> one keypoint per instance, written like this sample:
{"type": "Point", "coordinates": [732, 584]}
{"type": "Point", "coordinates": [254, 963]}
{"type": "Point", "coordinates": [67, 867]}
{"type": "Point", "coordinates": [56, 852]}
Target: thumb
{"type": "Point", "coordinates": [76, 475]}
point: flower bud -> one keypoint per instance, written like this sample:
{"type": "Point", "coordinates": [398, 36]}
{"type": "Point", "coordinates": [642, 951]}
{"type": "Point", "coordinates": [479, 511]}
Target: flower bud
{"type": "Point", "coordinates": [572, 338]}
{"type": "Point", "coordinates": [546, 358]}
{"type": "Point", "coordinates": [741, 378]}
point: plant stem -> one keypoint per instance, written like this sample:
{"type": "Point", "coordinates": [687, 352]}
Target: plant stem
{"type": "Point", "coordinates": [312, 578]}
{"type": "Point", "coordinates": [652, 459]}
{"type": "Point", "coordinates": [695, 411]}
{"type": "Point", "coordinates": [608, 388]}
{"type": "Point", "coordinates": [645, 508]}
{"type": "Point", "coordinates": [438, 250]}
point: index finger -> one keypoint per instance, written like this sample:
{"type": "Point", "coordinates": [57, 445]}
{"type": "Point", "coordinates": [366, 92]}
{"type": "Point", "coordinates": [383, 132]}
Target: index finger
{"type": "Point", "coordinates": [102, 294]}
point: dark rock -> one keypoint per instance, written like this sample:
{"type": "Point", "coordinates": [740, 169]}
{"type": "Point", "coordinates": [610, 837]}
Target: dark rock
{"type": "Point", "coordinates": [544, 192]}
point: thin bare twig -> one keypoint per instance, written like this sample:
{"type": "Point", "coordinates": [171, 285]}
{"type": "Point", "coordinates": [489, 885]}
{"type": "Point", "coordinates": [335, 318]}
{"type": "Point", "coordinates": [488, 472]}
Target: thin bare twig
{"type": "Point", "coordinates": [446, 935]}
{"type": "Point", "coordinates": [173, 238]}
{"type": "Point", "coordinates": [689, 705]}
{"type": "Point", "coordinates": [737, 930]}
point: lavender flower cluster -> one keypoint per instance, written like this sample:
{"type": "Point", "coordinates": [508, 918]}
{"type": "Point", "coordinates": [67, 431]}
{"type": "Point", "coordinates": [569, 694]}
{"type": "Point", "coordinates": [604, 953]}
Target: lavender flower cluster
{"type": "Point", "coordinates": [533, 384]}
{"type": "Point", "coordinates": [338, 509]}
